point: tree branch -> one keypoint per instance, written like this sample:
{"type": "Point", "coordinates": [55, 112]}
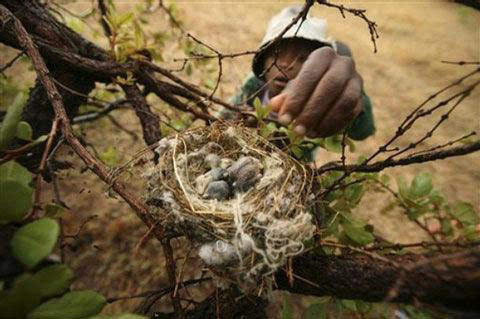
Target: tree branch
{"type": "Point", "coordinates": [453, 281]}
{"type": "Point", "coordinates": [408, 160]}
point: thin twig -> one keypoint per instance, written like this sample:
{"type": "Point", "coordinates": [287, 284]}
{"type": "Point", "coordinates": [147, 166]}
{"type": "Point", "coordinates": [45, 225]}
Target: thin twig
{"type": "Point", "coordinates": [10, 63]}
{"type": "Point", "coordinates": [41, 169]}
{"type": "Point", "coordinates": [408, 160]}
{"type": "Point", "coordinates": [160, 292]}
{"type": "Point", "coordinates": [462, 62]}
{"type": "Point", "coordinates": [410, 119]}
{"type": "Point", "coordinates": [424, 244]}
{"type": "Point", "coordinates": [372, 25]}
{"type": "Point", "coordinates": [173, 20]}
{"type": "Point", "coordinates": [450, 143]}
{"type": "Point", "coordinates": [172, 277]}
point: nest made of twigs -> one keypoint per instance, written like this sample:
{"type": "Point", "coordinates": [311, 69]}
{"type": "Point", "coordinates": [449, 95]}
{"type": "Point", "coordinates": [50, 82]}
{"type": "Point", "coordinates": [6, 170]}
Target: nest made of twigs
{"type": "Point", "coordinates": [257, 217]}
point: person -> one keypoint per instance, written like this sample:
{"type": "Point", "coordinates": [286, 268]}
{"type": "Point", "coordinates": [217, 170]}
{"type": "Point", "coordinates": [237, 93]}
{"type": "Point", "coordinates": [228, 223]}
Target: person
{"type": "Point", "coordinates": [309, 79]}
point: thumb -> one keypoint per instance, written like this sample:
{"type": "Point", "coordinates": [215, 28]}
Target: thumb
{"type": "Point", "coordinates": [278, 101]}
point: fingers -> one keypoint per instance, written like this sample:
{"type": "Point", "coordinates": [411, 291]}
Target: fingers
{"type": "Point", "coordinates": [277, 102]}
{"type": "Point", "coordinates": [349, 105]}
{"type": "Point", "coordinates": [330, 89]}
{"type": "Point", "coordinates": [301, 88]}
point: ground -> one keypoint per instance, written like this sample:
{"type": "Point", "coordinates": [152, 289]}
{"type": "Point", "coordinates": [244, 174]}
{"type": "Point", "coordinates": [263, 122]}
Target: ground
{"type": "Point", "coordinates": [414, 38]}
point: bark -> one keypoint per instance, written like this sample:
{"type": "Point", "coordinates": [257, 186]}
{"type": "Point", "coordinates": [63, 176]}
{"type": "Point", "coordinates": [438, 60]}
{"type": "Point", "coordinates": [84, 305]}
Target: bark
{"type": "Point", "coordinates": [452, 281]}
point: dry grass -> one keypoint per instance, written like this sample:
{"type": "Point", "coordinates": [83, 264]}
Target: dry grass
{"type": "Point", "coordinates": [414, 38]}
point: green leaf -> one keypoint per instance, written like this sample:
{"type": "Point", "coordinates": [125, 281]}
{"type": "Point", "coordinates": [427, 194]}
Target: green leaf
{"type": "Point", "coordinates": [315, 311]}
{"type": "Point", "coordinates": [15, 192]}
{"type": "Point", "coordinates": [333, 144]}
{"type": "Point", "coordinates": [349, 304]}
{"type": "Point", "coordinates": [385, 179]}
{"type": "Point", "coordinates": [40, 139]}
{"type": "Point", "coordinates": [28, 290]}
{"type": "Point", "coordinates": [350, 143]}
{"type": "Point", "coordinates": [15, 200]}
{"type": "Point", "coordinates": [357, 233]}
{"type": "Point", "coordinates": [209, 84]}
{"type": "Point", "coordinates": [447, 228]}
{"type": "Point", "coordinates": [436, 197]}
{"type": "Point", "coordinates": [297, 151]}
{"type": "Point", "coordinates": [74, 23]}
{"type": "Point", "coordinates": [189, 69]}
{"type": "Point", "coordinates": [471, 233]}
{"type": "Point", "coordinates": [15, 304]}
{"type": "Point", "coordinates": [363, 307]}
{"type": "Point", "coordinates": [53, 210]}
{"type": "Point", "coordinates": [417, 211]}
{"type": "Point", "coordinates": [465, 213]}
{"type": "Point", "coordinates": [51, 281]}
{"type": "Point", "coordinates": [354, 193]}
{"type": "Point", "coordinates": [267, 130]}
{"type": "Point", "coordinates": [421, 185]}
{"type": "Point", "coordinates": [414, 313]}
{"type": "Point", "coordinates": [73, 305]}
{"type": "Point", "coordinates": [287, 310]}
{"type": "Point", "coordinates": [110, 156]}
{"type": "Point", "coordinates": [8, 129]}
{"type": "Point", "coordinates": [15, 172]}
{"type": "Point", "coordinates": [124, 18]}
{"type": "Point", "coordinates": [261, 110]}
{"type": "Point", "coordinates": [35, 241]}
{"type": "Point", "coordinates": [403, 189]}
{"type": "Point", "coordinates": [19, 281]}
{"type": "Point", "coordinates": [24, 131]}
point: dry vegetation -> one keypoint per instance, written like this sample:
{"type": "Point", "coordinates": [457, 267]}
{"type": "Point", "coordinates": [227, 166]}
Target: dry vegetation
{"type": "Point", "coordinates": [414, 38]}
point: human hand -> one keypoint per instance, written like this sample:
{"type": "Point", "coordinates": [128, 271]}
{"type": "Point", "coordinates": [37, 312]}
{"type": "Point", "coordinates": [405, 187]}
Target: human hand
{"type": "Point", "coordinates": [323, 98]}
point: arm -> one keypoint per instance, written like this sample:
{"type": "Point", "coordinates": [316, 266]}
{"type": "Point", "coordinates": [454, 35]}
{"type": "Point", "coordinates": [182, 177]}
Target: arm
{"type": "Point", "coordinates": [363, 125]}
{"type": "Point", "coordinates": [326, 97]}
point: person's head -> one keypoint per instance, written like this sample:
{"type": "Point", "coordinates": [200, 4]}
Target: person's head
{"type": "Point", "coordinates": [283, 61]}
{"type": "Point", "coordinates": [291, 50]}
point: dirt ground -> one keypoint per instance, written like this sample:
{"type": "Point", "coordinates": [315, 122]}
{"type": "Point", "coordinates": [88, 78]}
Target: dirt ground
{"type": "Point", "coordinates": [414, 38]}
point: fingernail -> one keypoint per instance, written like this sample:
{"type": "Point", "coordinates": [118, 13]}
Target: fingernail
{"type": "Point", "coordinates": [277, 101]}
{"type": "Point", "coordinates": [300, 130]}
{"type": "Point", "coordinates": [285, 119]}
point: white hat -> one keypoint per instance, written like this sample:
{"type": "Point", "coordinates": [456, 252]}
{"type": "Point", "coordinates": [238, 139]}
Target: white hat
{"type": "Point", "coordinates": [312, 29]}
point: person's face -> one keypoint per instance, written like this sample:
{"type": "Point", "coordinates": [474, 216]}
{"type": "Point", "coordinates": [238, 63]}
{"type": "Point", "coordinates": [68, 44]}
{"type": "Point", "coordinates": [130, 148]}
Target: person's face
{"type": "Point", "coordinates": [283, 62]}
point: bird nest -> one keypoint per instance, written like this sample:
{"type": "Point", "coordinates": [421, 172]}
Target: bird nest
{"type": "Point", "coordinates": [241, 200]}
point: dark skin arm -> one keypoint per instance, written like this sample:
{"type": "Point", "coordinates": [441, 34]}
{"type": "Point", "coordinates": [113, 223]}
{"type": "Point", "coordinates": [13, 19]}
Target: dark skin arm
{"type": "Point", "coordinates": [325, 96]}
